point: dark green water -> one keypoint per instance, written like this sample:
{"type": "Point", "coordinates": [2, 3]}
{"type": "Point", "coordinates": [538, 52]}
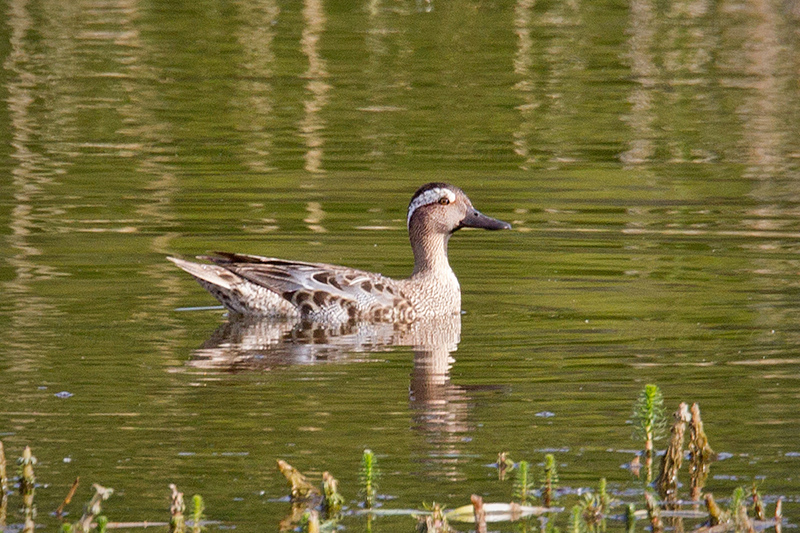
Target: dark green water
{"type": "Point", "coordinates": [647, 154]}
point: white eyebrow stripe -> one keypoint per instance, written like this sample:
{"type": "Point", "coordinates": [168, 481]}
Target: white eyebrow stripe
{"type": "Point", "coordinates": [428, 197]}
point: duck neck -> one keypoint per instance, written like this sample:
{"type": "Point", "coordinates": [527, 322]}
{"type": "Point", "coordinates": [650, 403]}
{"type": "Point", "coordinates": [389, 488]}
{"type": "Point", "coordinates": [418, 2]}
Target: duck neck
{"type": "Point", "coordinates": [430, 252]}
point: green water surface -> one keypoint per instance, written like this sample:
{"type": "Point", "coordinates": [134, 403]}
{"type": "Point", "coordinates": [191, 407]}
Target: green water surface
{"type": "Point", "coordinates": [647, 154]}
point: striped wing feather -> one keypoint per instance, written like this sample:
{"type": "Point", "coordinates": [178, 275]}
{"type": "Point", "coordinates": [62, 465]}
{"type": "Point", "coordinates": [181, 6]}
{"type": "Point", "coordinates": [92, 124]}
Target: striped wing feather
{"type": "Point", "coordinates": [318, 290]}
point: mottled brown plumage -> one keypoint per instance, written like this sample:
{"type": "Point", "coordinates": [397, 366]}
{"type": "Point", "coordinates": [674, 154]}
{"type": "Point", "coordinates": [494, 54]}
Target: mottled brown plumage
{"type": "Point", "coordinates": [263, 286]}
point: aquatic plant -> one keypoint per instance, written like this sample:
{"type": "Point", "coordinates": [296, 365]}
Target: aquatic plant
{"type": "Point", "coordinates": [310, 521]}
{"type": "Point", "coordinates": [479, 513]}
{"type": "Point", "coordinates": [301, 488]}
{"type": "Point", "coordinates": [700, 454]}
{"type": "Point", "coordinates": [575, 520]}
{"type": "Point", "coordinates": [716, 515]}
{"type": "Point", "coordinates": [368, 476]}
{"type": "Point", "coordinates": [368, 526]}
{"type": "Point", "coordinates": [550, 526]}
{"type": "Point", "coordinates": [177, 522]}
{"type": "Point", "coordinates": [27, 478]}
{"type": "Point", "coordinates": [653, 513]}
{"type": "Point", "coordinates": [3, 487]}
{"type": "Point", "coordinates": [333, 500]}
{"type": "Point", "coordinates": [504, 464]}
{"type": "Point", "coordinates": [758, 503]}
{"type": "Point", "coordinates": [311, 504]}
{"type": "Point", "coordinates": [549, 479]}
{"type": "Point", "coordinates": [667, 482]}
{"type": "Point", "coordinates": [594, 506]}
{"type": "Point", "coordinates": [91, 519]}
{"type": "Point", "coordinates": [742, 522]}
{"type": "Point", "coordinates": [522, 482]}
{"type": "Point", "coordinates": [590, 509]}
{"type": "Point", "coordinates": [736, 501]}
{"type": "Point", "coordinates": [630, 518]}
{"type": "Point", "coordinates": [198, 508]}
{"type": "Point", "coordinates": [649, 421]}
{"type": "Point", "coordinates": [92, 510]}
{"type": "Point", "coordinates": [3, 473]}
{"type": "Point", "coordinates": [27, 485]}
{"type": "Point", "coordinates": [698, 441]}
{"type": "Point", "coordinates": [68, 497]}
{"type": "Point", "coordinates": [738, 510]}
{"type": "Point", "coordinates": [602, 495]}
{"type": "Point", "coordinates": [434, 522]}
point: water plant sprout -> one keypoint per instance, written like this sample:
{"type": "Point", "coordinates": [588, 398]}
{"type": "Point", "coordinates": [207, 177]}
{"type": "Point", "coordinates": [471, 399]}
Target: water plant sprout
{"type": "Point", "coordinates": [550, 479]}
{"type": "Point", "coordinates": [522, 482]}
{"type": "Point", "coordinates": [649, 422]}
{"type": "Point", "coordinates": [368, 477]}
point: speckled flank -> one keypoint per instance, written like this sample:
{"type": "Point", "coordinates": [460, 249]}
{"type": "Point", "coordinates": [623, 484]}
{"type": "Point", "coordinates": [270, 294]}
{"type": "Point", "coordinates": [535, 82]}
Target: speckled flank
{"type": "Point", "coordinates": [262, 286]}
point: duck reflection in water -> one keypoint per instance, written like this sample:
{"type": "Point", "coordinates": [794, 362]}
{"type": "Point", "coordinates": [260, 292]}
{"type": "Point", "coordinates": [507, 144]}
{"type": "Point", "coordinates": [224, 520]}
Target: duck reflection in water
{"type": "Point", "coordinates": [439, 408]}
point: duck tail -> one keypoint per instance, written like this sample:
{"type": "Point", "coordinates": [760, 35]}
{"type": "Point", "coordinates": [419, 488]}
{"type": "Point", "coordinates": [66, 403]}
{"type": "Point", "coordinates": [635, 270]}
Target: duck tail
{"type": "Point", "coordinates": [207, 274]}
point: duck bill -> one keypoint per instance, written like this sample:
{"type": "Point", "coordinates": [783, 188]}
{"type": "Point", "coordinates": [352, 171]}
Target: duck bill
{"type": "Point", "coordinates": [476, 219]}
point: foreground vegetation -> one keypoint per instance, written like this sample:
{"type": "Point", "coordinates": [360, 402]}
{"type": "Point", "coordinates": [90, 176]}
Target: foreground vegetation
{"type": "Point", "coordinates": [535, 496]}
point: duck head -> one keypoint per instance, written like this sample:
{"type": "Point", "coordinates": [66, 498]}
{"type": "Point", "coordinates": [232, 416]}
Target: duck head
{"type": "Point", "coordinates": [443, 208]}
{"type": "Point", "coordinates": [436, 211]}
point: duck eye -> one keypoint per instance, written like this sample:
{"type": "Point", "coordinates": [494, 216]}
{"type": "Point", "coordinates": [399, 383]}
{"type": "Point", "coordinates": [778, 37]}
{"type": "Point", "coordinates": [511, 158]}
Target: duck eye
{"type": "Point", "coordinates": [444, 200]}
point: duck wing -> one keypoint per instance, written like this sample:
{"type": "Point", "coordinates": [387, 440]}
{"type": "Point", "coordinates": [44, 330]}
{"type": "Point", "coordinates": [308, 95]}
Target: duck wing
{"type": "Point", "coordinates": [321, 291]}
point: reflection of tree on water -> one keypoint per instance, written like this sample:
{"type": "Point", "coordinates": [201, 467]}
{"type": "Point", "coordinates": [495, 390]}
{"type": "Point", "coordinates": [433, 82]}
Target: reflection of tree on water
{"type": "Point", "coordinates": [439, 408]}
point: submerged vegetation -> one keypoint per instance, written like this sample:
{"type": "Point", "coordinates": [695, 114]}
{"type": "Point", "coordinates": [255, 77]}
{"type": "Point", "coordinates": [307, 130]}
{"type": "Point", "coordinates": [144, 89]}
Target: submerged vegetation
{"type": "Point", "coordinates": [320, 507]}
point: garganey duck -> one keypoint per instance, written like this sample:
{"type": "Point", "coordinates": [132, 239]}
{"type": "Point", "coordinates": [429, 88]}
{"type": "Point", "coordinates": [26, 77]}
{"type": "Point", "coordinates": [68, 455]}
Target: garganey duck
{"type": "Point", "coordinates": [262, 286]}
